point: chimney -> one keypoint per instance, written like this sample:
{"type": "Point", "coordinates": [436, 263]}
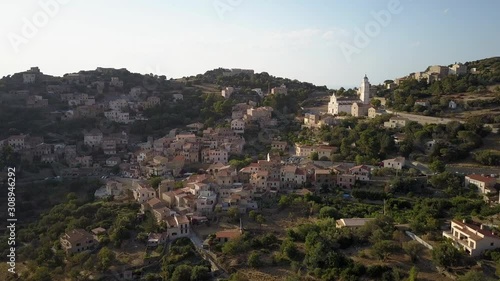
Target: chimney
{"type": "Point", "coordinates": [464, 221]}
{"type": "Point", "coordinates": [482, 226]}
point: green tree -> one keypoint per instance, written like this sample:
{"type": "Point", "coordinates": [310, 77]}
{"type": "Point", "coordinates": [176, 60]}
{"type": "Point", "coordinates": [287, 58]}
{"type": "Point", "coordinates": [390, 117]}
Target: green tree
{"type": "Point", "coordinates": [413, 249]}
{"type": "Point", "coordinates": [383, 249]}
{"type": "Point", "coordinates": [181, 273]}
{"type": "Point", "coordinates": [200, 273]}
{"type": "Point", "coordinates": [376, 102]}
{"type": "Point", "coordinates": [474, 275]}
{"type": "Point", "coordinates": [254, 259]}
{"type": "Point", "coordinates": [178, 185]}
{"type": "Point", "coordinates": [437, 166]}
{"type": "Point", "coordinates": [260, 220]}
{"type": "Point", "coordinates": [445, 254]}
{"type": "Point", "coordinates": [314, 156]}
{"type": "Point", "coordinates": [41, 274]}
{"type": "Point", "coordinates": [238, 276]}
{"type": "Point", "coordinates": [328, 212]}
{"type": "Point", "coordinates": [488, 157]}
{"type": "Point", "coordinates": [413, 274]}
{"type": "Point", "coordinates": [290, 250]}
{"type": "Point", "coordinates": [155, 181]}
{"type": "Point", "coordinates": [252, 214]}
{"type": "Point", "coordinates": [233, 213]}
{"type": "Point", "coordinates": [105, 258]}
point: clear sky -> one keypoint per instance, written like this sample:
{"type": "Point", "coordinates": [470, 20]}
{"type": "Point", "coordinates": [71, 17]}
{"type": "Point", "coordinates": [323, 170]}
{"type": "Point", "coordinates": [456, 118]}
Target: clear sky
{"type": "Point", "coordinates": [308, 40]}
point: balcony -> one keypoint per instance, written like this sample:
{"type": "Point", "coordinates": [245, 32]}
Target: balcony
{"type": "Point", "coordinates": [457, 242]}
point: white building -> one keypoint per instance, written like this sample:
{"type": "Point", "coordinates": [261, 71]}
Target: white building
{"type": "Point", "coordinates": [93, 138]}
{"type": "Point", "coordinates": [177, 226]}
{"type": "Point", "coordinates": [396, 122]}
{"type": "Point", "coordinates": [29, 78]}
{"type": "Point", "coordinates": [486, 185]}
{"type": "Point", "coordinates": [452, 105]}
{"type": "Point", "coordinates": [338, 105]}
{"type": "Point", "coordinates": [113, 161]}
{"type": "Point", "coordinates": [259, 92]}
{"type": "Point", "coordinates": [396, 163]}
{"type": "Point", "coordinates": [238, 126]}
{"type": "Point", "coordinates": [281, 90]}
{"type": "Point", "coordinates": [227, 92]}
{"type": "Point", "coordinates": [205, 203]}
{"type": "Point", "coordinates": [117, 116]}
{"type": "Point", "coordinates": [458, 69]}
{"type": "Point", "coordinates": [143, 194]}
{"type": "Point", "coordinates": [118, 104]}
{"type": "Point", "coordinates": [116, 82]}
{"type": "Point", "coordinates": [473, 239]}
{"type": "Point", "coordinates": [215, 156]}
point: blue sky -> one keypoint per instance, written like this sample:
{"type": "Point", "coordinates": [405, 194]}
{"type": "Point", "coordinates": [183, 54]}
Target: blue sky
{"type": "Point", "coordinates": [298, 39]}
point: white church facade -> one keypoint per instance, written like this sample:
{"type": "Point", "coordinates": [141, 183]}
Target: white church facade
{"type": "Point", "coordinates": [356, 106]}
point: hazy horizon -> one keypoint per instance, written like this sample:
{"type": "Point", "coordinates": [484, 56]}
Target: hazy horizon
{"type": "Point", "coordinates": [332, 43]}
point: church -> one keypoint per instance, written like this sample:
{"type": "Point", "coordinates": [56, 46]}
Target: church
{"type": "Point", "coordinates": [356, 106]}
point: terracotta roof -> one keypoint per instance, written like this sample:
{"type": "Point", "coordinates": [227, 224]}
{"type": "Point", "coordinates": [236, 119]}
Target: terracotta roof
{"type": "Point", "coordinates": [473, 229]}
{"type": "Point", "coordinates": [300, 172]}
{"type": "Point", "coordinates": [322, 172]}
{"type": "Point", "coordinates": [229, 234]}
{"type": "Point", "coordinates": [77, 236]}
{"type": "Point", "coordinates": [262, 173]}
{"type": "Point", "coordinates": [364, 167]}
{"type": "Point", "coordinates": [171, 222]}
{"type": "Point", "coordinates": [155, 203]}
{"type": "Point", "coordinates": [156, 236]}
{"type": "Point", "coordinates": [162, 211]}
{"type": "Point", "coordinates": [482, 178]}
{"type": "Point", "coordinates": [289, 169]}
{"type": "Point", "coordinates": [341, 168]}
{"type": "Point", "coordinates": [182, 219]}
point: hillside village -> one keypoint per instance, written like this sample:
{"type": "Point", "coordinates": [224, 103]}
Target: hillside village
{"type": "Point", "coordinates": [254, 170]}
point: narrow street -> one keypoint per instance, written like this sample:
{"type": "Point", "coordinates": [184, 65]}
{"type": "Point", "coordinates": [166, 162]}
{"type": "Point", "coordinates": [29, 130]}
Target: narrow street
{"type": "Point", "coordinates": [207, 255]}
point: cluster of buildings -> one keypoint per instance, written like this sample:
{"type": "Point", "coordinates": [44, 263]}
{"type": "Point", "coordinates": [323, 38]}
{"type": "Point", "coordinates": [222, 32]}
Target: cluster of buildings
{"type": "Point", "coordinates": [227, 92]}
{"type": "Point", "coordinates": [237, 71]}
{"type": "Point", "coordinates": [222, 186]}
{"type": "Point", "coordinates": [34, 149]}
{"type": "Point", "coordinates": [30, 76]}
{"type": "Point", "coordinates": [433, 73]}
{"type": "Point", "coordinates": [244, 114]}
{"type": "Point", "coordinates": [355, 106]}
{"type": "Point", "coordinates": [116, 106]}
{"type": "Point", "coordinates": [324, 152]}
{"type": "Point", "coordinates": [473, 238]}
{"type": "Point", "coordinates": [167, 155]}
{"type": "Point", "coordinates": [36, 101]}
